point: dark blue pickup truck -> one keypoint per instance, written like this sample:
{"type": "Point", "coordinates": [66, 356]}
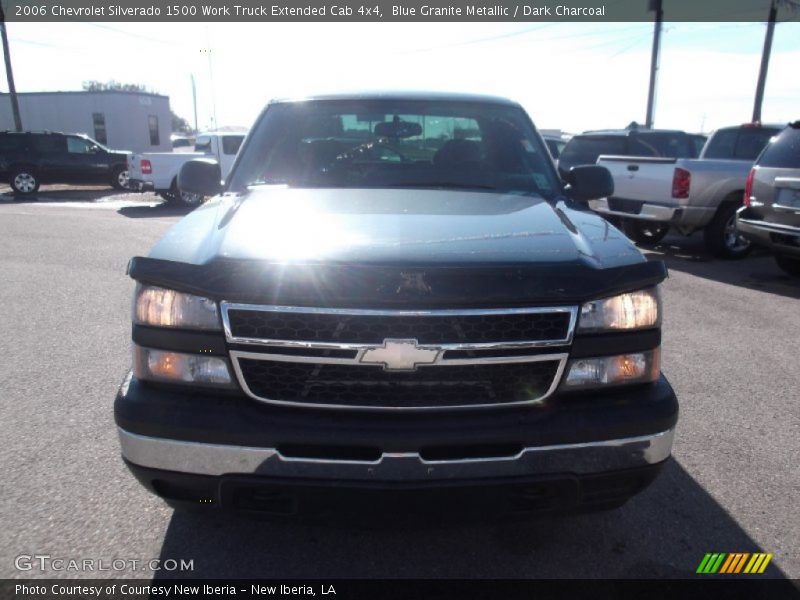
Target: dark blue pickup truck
{"type": "Point", "coordinates": [395, 294]}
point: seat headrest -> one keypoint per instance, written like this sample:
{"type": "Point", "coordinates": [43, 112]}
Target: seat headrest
{"type": "Point", "coordinates": [454, 152]}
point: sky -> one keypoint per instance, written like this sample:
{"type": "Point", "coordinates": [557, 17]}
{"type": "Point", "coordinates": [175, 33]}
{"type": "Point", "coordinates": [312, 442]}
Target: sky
{"type": "Point", "coordinates": [571, 77]}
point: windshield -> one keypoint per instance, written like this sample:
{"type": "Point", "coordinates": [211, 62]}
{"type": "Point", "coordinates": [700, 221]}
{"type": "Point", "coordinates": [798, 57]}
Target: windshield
{"type": "Point", "coordinates": [404, 143]}
{"type": "Point", "coordinates": [584, 150]}
{"type": "Point", "coordinates": [740, 142]}
{"type": "Point", "coordinates": [670, 145]}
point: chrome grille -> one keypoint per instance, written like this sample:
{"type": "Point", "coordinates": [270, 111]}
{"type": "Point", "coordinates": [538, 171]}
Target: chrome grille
{"type": "Point", "coordinates": [394, 360]}
{"type": "Point", "coordinates": [374, 328]}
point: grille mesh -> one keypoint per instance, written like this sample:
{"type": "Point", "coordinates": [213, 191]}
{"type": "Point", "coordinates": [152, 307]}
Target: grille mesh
{"type": "Point", "coordinates": [369, 329]}
{"type": "Point", "coordinates": [371, 386]}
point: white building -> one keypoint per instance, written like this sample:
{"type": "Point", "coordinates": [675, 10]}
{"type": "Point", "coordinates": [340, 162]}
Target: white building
{"type": "Point", "coordinates": [134, 121]}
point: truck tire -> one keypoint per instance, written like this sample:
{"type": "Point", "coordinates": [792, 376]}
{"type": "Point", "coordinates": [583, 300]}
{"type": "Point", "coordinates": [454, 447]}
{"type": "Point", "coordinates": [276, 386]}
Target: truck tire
{"type": "Point", "coordinates": [176, 197]}
{"type": "Point", "coordinates": [24, 181]}
{"type": "Point", "coordinates": [189, 199]}
{"type": "Point", "coordinates": [119, 178]}
{"type": "Point", "coordinates": [720, 235]}
{"type": "Point", "coordinates": [646, 233]}
{"type": "Point", "coordinates": [788, 264]}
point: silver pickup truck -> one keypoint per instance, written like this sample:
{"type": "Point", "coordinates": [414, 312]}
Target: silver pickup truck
{"type": "Point", "coordinates": [652, 195]}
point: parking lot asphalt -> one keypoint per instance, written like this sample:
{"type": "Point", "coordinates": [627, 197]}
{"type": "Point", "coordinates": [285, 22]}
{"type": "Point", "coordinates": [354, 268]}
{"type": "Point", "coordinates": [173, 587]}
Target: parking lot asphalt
{"type": "Point", "coordinates": [730, 350]}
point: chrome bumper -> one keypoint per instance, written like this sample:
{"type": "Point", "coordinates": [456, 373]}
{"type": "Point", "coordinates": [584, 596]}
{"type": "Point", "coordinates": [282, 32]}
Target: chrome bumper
{"type": "Point", "coordinates": [681, 216]}
{"type": "Point", "coordinates": [649, 212]}
{"type": "Point", "coordinates": [216, 459]}
{"type": "Point", "coordinates": [137, 185]}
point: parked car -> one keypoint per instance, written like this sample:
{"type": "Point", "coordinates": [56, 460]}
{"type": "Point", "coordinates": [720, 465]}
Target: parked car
{"type": "Point", "coordinates": [739, 142]}
{"type": "Point", "coordinates": [652, 195]}
{"type": "Point", "coordinates": [771, 213]}
{"type": "Point", "coordinates": [181, 142]}
{"type": "Point", "coordinates": [555, 145]}
{"type": "Point", "coordinates": [370, 303]}
{"type": "Point", "coordinates": [699, 140]}
{"type": "Point", "coordinates": [29, 159]}
{"type": "Point", "coordinates": [585, 148]}
{"type": "Point", "coordinates": [158, 171]}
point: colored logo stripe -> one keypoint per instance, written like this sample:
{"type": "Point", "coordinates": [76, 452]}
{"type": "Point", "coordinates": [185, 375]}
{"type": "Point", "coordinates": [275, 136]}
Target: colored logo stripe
{"type": "Point", "coordinates": [723, 563]}
{"type": "Point", "coordinates": [711, 563]}
{"type": "Point", "coordinates": [734, 563]}
{"type": "Point", "coordinates": [758, 563]}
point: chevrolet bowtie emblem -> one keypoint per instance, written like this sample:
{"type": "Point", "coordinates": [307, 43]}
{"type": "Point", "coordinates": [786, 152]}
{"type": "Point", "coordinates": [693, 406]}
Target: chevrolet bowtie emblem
{"type": "Point", "coordinates": [400, 355]}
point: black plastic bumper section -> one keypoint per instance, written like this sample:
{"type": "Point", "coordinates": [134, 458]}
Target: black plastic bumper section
{"type": "Point", "coordinates": [259, 496]}
{"type": "Point", "coordinates": [234, 419]}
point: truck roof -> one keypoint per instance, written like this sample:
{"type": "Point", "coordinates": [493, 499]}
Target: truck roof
{"type": "Point", "coordinates": [752, 126]}
{"type": "Point", "coordinates": [220, 133]}
{"type": "Point", "coordinates": [402, 95]}
{"type": "Point", "coordinates": [622, 132]}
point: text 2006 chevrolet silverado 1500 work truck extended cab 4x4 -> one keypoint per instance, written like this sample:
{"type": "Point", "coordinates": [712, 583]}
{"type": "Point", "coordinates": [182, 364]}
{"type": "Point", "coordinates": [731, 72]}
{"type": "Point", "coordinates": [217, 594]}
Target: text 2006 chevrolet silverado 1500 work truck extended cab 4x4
{"type": "Point", "coordinates": [395, 292]}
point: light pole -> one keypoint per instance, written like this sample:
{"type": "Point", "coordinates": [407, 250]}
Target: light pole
{"type": "Point", "coordinates": [655, 5]}
{"type": "Point", "coordinates": [12, 89]}
{"type": "Point", "coordinates": [762, 72]}
{"type": "Point", "coordinates": [194, 102]}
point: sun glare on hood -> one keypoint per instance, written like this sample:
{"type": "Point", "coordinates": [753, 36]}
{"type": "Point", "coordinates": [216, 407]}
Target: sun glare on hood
{"type": "Point", "coordinates": [297, 231]}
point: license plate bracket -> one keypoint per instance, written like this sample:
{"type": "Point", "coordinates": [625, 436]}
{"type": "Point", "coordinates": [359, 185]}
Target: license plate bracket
{"type": "Point", "coordinates": [787, 198]}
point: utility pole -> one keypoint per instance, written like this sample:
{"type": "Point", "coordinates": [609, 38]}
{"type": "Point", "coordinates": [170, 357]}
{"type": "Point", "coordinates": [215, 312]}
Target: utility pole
{"type": "Point", "coordinates": [12, 89]}
{"type": "Point", "coordinates": [762, 73]}
{"type": "Point", "coordinates": [211, 81]}
{"type": "Point", "coordinates": [194, 102]}
{"type": "Point", "coordinates": [655, 5]}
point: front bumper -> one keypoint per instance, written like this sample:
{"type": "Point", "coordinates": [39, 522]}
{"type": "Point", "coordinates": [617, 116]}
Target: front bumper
{"type": "Point", "coordinates": [221, 459]}
{"type": "Point", "coordinates": [781, 239]}
{"type": "Point", "coordinates": [191, 447]}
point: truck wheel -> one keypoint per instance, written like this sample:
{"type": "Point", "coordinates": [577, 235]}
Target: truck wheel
{"type": "Point", "coordinates": [119, 178]}
{"type": "Point", "coordinates": [788, 265]}
{"type": "Point", "coordinates": [23, 181]}
{"type": "Point", "coordinates": [646, 233]}
{"type": "Point", "coordinates": [189, 199]}
{"type": "Point", "coordinates": [721, 237]}
{"type": "Point", "coordinates": [177, 197]}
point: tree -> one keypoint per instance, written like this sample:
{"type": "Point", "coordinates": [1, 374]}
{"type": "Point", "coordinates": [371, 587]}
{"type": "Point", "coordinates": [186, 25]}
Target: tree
{"type": "Point", "coordinates": [179, 124]}
{"type": "Point", "coordinates": [114, 86]}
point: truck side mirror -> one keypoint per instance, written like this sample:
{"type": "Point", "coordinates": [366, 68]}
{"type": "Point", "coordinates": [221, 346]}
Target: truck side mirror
{"type": "Point", "coordinates": [589, 182]}
{"type": "Point", "coordinates": [200, 176]}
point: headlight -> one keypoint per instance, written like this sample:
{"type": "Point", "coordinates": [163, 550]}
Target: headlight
{"type": "Point", "coordinates": [638, 367]}
{"type": "Point", "coordinates": [634, 310]}
{"type": "Point", "coordinates": [177, 367]}
{"type": "Point", "coordinates": [168, 308]}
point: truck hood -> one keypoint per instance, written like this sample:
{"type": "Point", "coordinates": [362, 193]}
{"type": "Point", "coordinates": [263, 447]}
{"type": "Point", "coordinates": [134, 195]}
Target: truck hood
{"type": "Point", "coordinates": [392, 245]}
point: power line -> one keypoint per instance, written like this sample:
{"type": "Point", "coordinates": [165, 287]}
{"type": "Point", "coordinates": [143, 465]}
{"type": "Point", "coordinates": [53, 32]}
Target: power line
{"type": "Point", "coordinates": [638, 41]}
{"type": "Point", "coordinates": [481, 40]}
{"type": "Point", "coordinates": [136, 35]}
